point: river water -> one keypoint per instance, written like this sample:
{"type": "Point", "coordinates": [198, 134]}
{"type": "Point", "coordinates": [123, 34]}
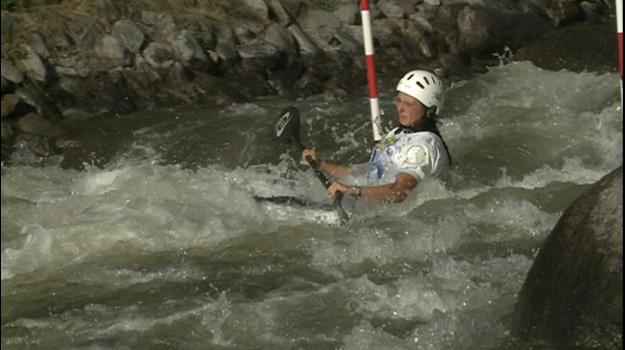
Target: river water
{"type": "Point", "coordinates": [148, 236]}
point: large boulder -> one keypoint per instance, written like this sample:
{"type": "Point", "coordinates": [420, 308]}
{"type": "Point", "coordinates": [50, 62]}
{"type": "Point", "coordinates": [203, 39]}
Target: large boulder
{"type": "Point", "coordinates": [579, 47]}
{"type": "Point", "coordinates": [573, 294]}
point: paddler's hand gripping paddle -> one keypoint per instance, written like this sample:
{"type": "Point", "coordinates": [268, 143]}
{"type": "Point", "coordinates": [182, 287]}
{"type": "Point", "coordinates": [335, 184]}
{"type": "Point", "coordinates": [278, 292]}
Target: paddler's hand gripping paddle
{"type": "Point", "coordinates": [286, 129]}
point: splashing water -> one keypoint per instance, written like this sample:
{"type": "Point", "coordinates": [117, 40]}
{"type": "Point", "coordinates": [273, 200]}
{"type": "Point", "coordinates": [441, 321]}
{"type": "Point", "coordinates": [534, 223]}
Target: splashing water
{"type": "Point", "coordinates": [149, 237]}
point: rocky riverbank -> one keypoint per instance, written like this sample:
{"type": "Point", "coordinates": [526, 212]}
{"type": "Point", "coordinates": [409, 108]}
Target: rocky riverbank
{"type": "Point", "coordinates": [83, 59]}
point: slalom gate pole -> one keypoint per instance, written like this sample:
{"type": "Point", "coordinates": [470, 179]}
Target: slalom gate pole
{"type": "Point", "coordinates": [619, 25]}
{"type": "Point", "coordinates": [376, 121]}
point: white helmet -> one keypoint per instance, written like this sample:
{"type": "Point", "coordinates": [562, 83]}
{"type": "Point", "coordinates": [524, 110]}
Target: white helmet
{"type": "Point", "coordinates": [425, 86]}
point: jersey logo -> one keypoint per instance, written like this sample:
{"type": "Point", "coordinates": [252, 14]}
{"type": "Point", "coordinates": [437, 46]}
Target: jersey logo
{"type": "Point", "coordinates": [416, 155]}
{"type": "Point", "coordinates": [387, 141]}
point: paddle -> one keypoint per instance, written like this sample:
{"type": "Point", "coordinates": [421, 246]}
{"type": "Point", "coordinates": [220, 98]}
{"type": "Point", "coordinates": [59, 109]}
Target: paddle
{"type": "Point", "coordinates": [286, 129]}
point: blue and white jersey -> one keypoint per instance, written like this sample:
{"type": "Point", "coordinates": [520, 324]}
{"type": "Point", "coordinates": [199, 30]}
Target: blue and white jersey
{"type": "Point", "coordinates": [419, 154]}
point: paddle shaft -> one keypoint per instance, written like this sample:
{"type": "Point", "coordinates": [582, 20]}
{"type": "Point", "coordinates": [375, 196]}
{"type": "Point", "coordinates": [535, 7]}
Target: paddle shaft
{"type": "Point", "coordinates": [321, 176]}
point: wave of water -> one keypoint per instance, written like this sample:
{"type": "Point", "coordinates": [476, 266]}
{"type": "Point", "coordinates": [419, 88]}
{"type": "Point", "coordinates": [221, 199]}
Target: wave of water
{"type": "Point", "coordinates": [151, 238]}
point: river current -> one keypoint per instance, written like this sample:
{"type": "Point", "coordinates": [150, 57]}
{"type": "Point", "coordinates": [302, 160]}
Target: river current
{"type": "Point", "coordinates": [148, 235]}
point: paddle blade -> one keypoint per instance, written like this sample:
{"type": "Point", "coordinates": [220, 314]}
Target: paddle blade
{"type": "Point", "coordinates": [286, 127]}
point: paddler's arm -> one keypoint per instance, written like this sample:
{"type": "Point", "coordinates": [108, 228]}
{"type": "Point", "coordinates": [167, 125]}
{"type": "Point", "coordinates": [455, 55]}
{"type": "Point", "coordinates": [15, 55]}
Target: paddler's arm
{"type": "Point", "coordinates": [334, 171]}
{"type": "Point", "coordinates": [392, 193]}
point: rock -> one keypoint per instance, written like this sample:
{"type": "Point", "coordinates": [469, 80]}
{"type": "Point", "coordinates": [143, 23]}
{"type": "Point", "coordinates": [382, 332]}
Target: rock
{"type": "Point", "coordinates": [7, 23]}
{"type": "Point", "coordinates": [284, 17]}
{"type": "Point", "coordinates": [421, 22]}
{"type": "Point", "coordinates": [33, 65]}
{"type": "Point", "coordinates": [279, 37]}
{"type": "Point", "coordinates": [260, 57]}
{"type": "Point", "coordinates": [35, 124]}
{"type": "Point", "coordinates": [573, 293]}
{"type": "Point", "coordinates": [476, 30]}
{"type": "Point", "coordinates": [7, 86]}
{"type": "Point", "coordinates": [60, 40]}
{"type": "Point", "coordinates": [320, 26]}
{"type": "Point", "coordinates": [246, 32]}
{"type": "Point", "coordinates": [538, 7]}
{"type": "Point", "coordinates": [10, 73]}
{"type": "Point", "coordinates": [189, 51]}
{"type": "Point", "coordinates": [387, 33]}
{"type": "Point", "coordinates": [306, 46]}
{"type": "Point", "coordinates": [391, 9]}
{"type": "Point", "coordinates": [37, 144]}
{"type": "Point", "coordinates": [227, 52]}
{"type": "Point", "coordinates": [110, 47]}
{"type": "Point", "coordinates": [6, 132]}
{"type": "Point", "coordinates": [108, 10]}
{"type": "Point", "coordinates": [36, 97]}
{"type": "Point", "coordinates": [158, 25]}
{"type": "Point", "coordinates": [129, 34]}
{"type": "Point", "coordinates": [39, 45]}
{"type": "Point", "coordinates": [577, 48]}
{"type": "Point", "coordinates": [564, 11]}
{"type": "Point", "coordinates": [76, 114]}
{"type": "Point", "coordinates": [258, 8]}
{"type": "Point", "coordinates": [86, 33]}
{"type": "Point", "coordinates": [348, 13]}
{"type": "Point", "coordinates": [9, 104]}
{"type": "Point", "coordinates": [159, 55]}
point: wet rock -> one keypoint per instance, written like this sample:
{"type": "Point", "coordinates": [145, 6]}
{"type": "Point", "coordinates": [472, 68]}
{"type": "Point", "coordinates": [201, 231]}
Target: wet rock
{"type": "Point", "coordinates": [10, 73]}
{"type": "Point", "coordinates": [35, 124]}
{"type": "Point", "coordinates": [37, 144]}
{"type": "Point", "coordinates": [573, 293]}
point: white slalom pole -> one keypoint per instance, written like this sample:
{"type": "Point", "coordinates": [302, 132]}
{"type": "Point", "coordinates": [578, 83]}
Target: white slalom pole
{"type": "Point", "coordinates": [376, 121]}
{"type": "Point", "coordinates": [619, 25]}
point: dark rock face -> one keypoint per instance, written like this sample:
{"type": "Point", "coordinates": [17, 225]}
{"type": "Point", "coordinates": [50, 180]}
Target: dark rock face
{"type": "Point", "coordinates": [573, 294]}
{"type": "Point", "coordinates": [579, 47]}
{"type": "Point", "coordinates": [124, 58]}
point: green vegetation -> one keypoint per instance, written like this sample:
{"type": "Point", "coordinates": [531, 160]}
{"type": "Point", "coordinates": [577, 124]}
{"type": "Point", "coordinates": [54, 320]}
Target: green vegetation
{"type": "Point", "coordinates": [17, 5]}
{"type": "Point", "coordinates": [326, 5]}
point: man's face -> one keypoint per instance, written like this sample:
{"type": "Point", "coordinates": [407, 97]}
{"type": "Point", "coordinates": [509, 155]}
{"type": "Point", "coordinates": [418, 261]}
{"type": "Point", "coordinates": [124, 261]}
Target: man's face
{"type": "Point", "coordinates": [409, 109]}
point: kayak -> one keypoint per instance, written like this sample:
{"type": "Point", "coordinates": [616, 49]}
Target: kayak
{"type": "Point", "coordinates": [288, 208]}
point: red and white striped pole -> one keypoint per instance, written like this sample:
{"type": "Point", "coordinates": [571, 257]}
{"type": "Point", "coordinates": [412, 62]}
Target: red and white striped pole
{"type": "Point", "coordinates": [376, 121]}
{"type": "Point", "coordinates": [619, 26]}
